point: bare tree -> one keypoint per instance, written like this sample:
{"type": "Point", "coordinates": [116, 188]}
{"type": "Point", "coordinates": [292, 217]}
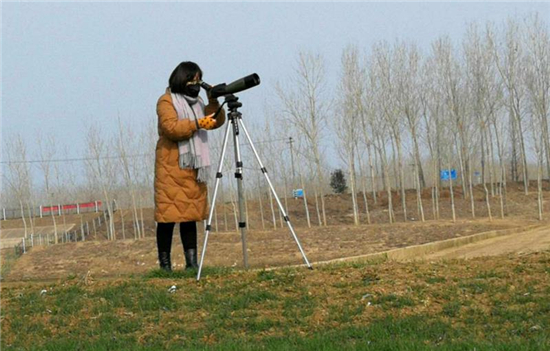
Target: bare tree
{"type": "Point", "coordinates": [375, 129]}
{"type": "Point", "coordinates": [46, 152]}
{"type": "Point", "coordinates": [508, 57]}
{"type": "Point", "coordinates": [483, 93]}
{"type": "Point", "coordinates": [145, 168]}
{"type": "Point", "coordinates": [360, 153]}
{"type": "Point", "coordinates": [305, 107]}
{"type": "Point", "coordinates": [18, 176]}
{"type": "Point", "coordinates": [537, 79]}
{"type": "Point", "coordinates": [64, 179]}
{"type": "Point", "coordinates": [125, 138]}
{"type": "Point", "coordinates": [452, 84]}
{"type": "Point", "coordinates": [350, 107]}
{"type": "Point", "coordinates": [387, 85]}
{"type": "Point", "coordinates": [103, 171]}
{"type": "Point", "coordinates": [432, 110]}
{"type": "Point", "coordinates": [538, 146]}
{"type": "Point", "coordinates": [408, 98]}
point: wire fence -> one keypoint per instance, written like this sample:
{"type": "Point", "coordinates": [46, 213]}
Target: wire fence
{"type": "Point", "coordinates": [55, 210]}
{"type": "Point", "coordinates": [81, 233]}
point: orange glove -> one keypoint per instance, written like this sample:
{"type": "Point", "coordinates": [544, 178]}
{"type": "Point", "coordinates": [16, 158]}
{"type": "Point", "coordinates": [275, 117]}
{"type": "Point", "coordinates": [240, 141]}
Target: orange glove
{"type": "Point", "coordinates": [207, 122]}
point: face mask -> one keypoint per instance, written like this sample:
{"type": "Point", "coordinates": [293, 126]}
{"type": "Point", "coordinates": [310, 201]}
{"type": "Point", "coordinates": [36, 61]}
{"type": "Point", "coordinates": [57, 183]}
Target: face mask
{"type": "Point", "coordinates": [192, 90]}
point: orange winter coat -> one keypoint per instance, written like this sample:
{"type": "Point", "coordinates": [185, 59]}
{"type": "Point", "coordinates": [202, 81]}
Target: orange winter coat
{"type": "Point", "coordinates": [178, 195]}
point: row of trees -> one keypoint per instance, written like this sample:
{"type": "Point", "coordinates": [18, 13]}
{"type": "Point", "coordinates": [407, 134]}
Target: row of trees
{"type": "Point", "coordinates": [112, 169]}
{"type": "Point", "coordinates": [480, 105]}
{"type": "Point", "coordinates": [398, 116]}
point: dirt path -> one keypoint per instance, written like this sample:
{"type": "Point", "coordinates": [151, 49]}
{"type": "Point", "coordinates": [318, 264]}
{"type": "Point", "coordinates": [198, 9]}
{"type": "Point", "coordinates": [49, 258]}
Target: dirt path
{"type": "Point", "coordinates": [530, 241]}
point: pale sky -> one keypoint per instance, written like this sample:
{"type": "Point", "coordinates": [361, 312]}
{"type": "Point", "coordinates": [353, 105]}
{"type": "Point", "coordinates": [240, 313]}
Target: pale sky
{"type": "Point", "coordinates": [67, 65]}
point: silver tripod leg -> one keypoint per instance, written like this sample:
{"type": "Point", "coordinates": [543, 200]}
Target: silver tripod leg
{"type": "Point", "coordinates": [240, 192]}
{"type": "Point", "coordinates": [213, 205]}
{"type": "Point", "coordinates": [264, 171]}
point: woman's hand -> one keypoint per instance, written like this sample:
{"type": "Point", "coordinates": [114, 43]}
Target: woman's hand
{"type": "Point", "coordinates": [207, 122]}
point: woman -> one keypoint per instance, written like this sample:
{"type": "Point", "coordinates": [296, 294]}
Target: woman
{"type": "Point", "coordinates": [182, 161]}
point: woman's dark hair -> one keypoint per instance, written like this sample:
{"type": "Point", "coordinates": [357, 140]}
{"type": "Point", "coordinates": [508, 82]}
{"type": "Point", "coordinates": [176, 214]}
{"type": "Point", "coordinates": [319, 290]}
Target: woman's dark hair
{"type": "Point", "coordinates": [185, 72]}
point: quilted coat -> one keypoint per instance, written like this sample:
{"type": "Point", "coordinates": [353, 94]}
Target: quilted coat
{"type": "Point", "coordinates": [178, 195]}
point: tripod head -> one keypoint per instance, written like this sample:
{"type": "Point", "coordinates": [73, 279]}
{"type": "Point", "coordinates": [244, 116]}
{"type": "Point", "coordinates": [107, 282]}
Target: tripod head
{"type": "Point", "coordinates": [232, 102]}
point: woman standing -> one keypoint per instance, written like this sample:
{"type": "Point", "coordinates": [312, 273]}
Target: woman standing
{"type": "Point", "coordinates": [182, 161]}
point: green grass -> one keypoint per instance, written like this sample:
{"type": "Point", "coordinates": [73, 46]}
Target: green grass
{"type": "Point", "coordinates": [189, 273]}
{"type": "Point", "coordinates": [485, 304]}
{"type": "Point", "coordinates": [8, 259]}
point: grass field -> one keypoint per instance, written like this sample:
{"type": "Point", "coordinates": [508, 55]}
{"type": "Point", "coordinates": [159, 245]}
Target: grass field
{"type": "Point", "coordinates": [102, 295]}
{"type": "Point", "coordinates": [7, 260]}
{"type": "Point", "coordinates": [496, 303]}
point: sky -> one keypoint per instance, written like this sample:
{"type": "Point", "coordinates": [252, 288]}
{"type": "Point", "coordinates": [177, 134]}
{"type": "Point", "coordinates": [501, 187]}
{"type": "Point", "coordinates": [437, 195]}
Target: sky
{"type": "Point", "coordinates": [66, 66]}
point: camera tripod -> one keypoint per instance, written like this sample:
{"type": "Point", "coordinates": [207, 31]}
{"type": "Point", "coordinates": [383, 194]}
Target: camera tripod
{"type": "Point", "coordinates": [235, 121]}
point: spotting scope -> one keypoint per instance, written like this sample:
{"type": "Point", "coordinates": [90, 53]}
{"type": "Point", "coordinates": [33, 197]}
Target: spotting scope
{"type": "Point", "coordinates": [232, 88]}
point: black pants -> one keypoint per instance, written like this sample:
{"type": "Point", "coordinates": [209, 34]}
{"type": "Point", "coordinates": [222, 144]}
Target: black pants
{"type": "Point", "coordinates": [188, 235]}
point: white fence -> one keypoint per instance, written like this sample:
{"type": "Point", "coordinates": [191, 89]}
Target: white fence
{"type": "Point", "coordinates": [81, 233]}
{"type": "Point", "coordinates": [58, 210]}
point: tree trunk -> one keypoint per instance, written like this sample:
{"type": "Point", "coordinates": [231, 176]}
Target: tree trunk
{"type": "Point", "coordinates": [452, 194]}
{"type": "Point", "coordinates": [317, 206]}
{"type": "Point", "coordinates": [25, 221]}
{"type": "Point", "coordinates": [491, 165]}
{"type": "Point", "coordinates": [305, 200]}
{"type": "Point", "coordinates": [539, 186]}
{"type": "Point", "coordinates": [437, 181]}
{"type": "Point", "coordinates": [401, 178]}
{"type": "Point", "coordinates": [321, 184]}
{"type": "Point", "coordinates": [272, 210]}
{"type": "Point", "coordinates": [122, 222]}
{"type": "Point", "coordinates": [353, 189]}
{"type": "Point", "coordinates": [462, 171]}
{"type": "Point", "coordinates": [419, 193]}
{"type": "Point", "coordinates": [483, 180]}
{"type": "Point", "coordinates": [246, 209]}
{"type": "Point", "coordinates": [372, 175]}
{"type": "Point", "coordinates": [420, 171]}
{"type": "Point", "coordinates": [546, 143]}
{"type": "Point", "coordinates": [523, 159]}
{"type": "Point", "coordinates": [502, 183]}
{"type": "Point", "coordinates": [391, 215]}
{"type": "Point", "coordinates": [235, 214]}
{"type": "Point", "coordinates": [141, 214]}
{"type": "Point", "coordinates": [261, 208]}
{"type": "Point", "coordinates": [364, 188]}
{"type": "Point", "coordinates": [224, 210]}
{"type": "Point", "coordinates": [31, 220]}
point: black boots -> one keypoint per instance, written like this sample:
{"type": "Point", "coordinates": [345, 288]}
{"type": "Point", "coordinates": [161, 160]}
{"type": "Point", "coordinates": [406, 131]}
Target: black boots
{"type": "Point", "coordinates": [188, 235]}
{"type": "Point", "coordinates": [164, 261]}
{"type": "Point", "coordinates": [191, 259]}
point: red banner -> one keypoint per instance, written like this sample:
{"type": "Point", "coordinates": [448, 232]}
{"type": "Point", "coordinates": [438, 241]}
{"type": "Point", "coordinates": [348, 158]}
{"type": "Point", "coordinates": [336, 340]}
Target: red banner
{"type": "Point", "coordinates": [71, 206]}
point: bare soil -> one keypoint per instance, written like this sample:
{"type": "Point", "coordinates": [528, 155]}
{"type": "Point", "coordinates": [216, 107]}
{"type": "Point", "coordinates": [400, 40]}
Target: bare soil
{"type": "Point", "coordinates": [265, 248]}
{"type": "Point", "coordinates": [535, 240]}
{"type": "Point", "coordinates": [275, 245]}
